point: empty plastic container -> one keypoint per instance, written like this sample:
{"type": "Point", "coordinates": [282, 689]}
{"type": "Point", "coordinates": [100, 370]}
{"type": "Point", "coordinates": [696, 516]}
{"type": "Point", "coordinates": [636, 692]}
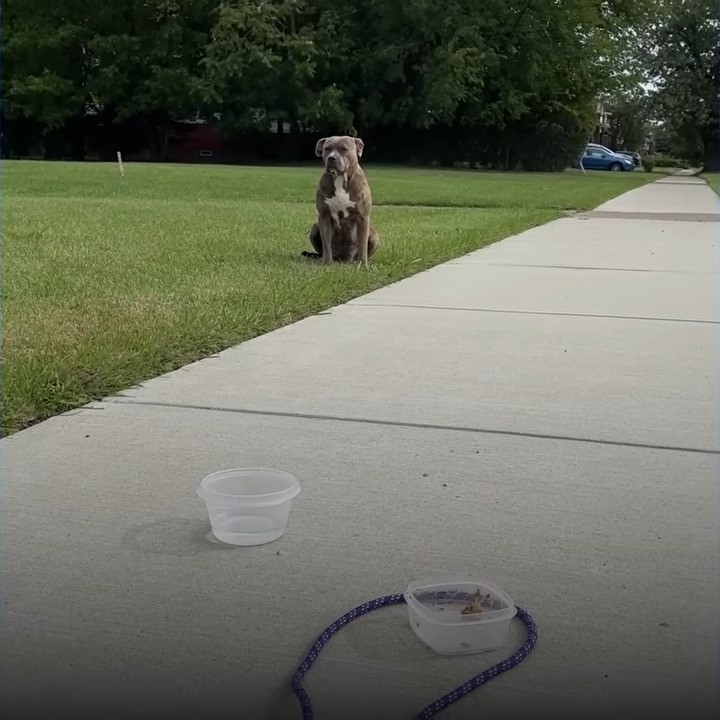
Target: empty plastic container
{"type": "Point", "coordinates": [248, 506]}
{"type": "Point", "coordinates": [459, 616]}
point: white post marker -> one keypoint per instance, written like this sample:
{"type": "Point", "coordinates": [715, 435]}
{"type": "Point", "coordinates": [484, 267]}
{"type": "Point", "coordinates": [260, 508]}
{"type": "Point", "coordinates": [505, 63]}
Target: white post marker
{"type": "Point", "coordinates": [582, 166]}
{"type": "Point", "coordinates": [120, 165]}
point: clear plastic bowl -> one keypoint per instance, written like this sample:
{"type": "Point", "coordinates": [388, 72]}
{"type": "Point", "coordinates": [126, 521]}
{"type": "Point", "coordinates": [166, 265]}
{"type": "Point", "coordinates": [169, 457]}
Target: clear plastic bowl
{"type": "Point", "coordinates": [248, 506]}
{"type": "Point", "coordinates": [435, 612]}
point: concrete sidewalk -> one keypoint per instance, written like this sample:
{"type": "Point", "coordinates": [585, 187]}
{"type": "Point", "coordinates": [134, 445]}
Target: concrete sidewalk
{"type": "Point", "coordinates": [542, 412]}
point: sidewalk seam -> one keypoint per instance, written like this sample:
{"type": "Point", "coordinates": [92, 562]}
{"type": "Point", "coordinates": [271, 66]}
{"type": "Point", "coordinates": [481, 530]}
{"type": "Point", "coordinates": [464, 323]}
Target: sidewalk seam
{"type": "Point", "coordinates": [461, 263]}
{"type": "Point", "coordinates": [118, 400]}
{"type": "Point", "coordinates": [356, 303]}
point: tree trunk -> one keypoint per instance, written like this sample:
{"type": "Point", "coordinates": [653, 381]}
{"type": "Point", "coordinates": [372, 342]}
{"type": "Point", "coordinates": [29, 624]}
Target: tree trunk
{"type": "Point", "coordinates": [712, 150]}
{"type": "Point", "coordinates": [160, 141]}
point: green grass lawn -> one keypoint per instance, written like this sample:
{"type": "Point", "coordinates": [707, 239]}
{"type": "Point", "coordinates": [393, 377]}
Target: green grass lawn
{"type": "Point", "coordinates": [107, 283]}
{"type": "Point", "coordinates": [713, 180]}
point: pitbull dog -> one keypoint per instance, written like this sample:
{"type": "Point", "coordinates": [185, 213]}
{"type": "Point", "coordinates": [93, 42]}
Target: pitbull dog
{"type": "Point", "coordinates": [343, 200]}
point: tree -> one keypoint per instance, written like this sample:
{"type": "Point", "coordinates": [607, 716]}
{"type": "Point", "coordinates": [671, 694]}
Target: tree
{"type": "Point", "coordinates": [551, 64]}
{"type": "Point", "coordinates": [504, 82]}
{"type": "Point", "coordinates": [146, 63]}
{"type": "Point", "coordinates": [260, 62]}
{"type": "Point", "coordinates": [136, 61]}
{"type": "Point", "coordinates": [45, 65]}
{"type": "Point", "coordinates": [630, 118]}
{"type": "Point", "coordinates": [684, 65]}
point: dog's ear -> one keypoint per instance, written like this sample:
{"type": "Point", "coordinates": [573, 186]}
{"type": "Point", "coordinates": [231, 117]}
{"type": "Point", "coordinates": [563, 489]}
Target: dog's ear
{"type": "Point", "coordinates": [359, 145]}
{"type": "Point", "coordinates": [319, 147]}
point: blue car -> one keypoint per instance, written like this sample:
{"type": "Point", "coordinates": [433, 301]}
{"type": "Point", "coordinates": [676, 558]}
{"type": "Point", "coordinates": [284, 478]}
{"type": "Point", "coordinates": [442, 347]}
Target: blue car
{"type": "Point", "coordinates": [598, 157]}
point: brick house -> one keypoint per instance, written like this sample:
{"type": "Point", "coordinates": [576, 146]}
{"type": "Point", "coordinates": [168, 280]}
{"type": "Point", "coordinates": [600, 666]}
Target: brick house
{"type": "Point", "coordinates": [603, 120]}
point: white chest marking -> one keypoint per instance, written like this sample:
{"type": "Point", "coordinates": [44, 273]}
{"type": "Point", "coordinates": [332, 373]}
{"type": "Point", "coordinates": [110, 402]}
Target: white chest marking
{"type": "Point", "coordinates": [340, 202]}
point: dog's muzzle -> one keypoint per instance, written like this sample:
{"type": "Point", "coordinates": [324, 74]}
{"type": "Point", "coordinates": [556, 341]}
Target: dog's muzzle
{"type": "Point", "coordinates": [335, 164]}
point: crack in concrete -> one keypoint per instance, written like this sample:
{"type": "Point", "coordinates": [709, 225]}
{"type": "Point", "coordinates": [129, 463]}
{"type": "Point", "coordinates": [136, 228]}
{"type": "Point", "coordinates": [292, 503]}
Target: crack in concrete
{"type": "Point", "coordinates": [460, 263]}
{"type": "Point", "coordinates": [412, 425]}
{"type": "Point", "coordinates": [659, 216]}
{"type": "Point", "coordinates": [532, 312]}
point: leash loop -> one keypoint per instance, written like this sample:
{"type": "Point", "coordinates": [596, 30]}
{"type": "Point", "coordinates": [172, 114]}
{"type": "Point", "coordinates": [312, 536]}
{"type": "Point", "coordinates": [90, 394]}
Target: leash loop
{"type": "Point", "coordinates": [439, 705]}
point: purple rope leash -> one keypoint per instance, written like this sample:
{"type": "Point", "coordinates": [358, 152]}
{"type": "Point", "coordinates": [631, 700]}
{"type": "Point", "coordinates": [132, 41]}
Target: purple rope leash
{"type": "Point", "coordinates": [439, 705]}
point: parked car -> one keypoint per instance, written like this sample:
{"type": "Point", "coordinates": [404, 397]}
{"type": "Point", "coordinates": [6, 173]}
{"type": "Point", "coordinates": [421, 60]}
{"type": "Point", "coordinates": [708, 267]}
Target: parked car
{"type": "Point", "coordinates": [600, 147]}
{"type": "Point", "coordinates": [634, 156]}
{"type": "Point", "coordinates": [598, 157]}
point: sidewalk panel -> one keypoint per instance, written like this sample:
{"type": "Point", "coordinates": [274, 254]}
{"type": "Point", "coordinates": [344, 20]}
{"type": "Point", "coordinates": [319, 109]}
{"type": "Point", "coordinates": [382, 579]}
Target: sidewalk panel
{"type": "Point", "coordinates": [116, 598]}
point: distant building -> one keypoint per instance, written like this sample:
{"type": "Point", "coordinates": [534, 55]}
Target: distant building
{"type": "Point", "coordinates": [198, 141]}
{"type": "Point", "coordinates": [602, 133]}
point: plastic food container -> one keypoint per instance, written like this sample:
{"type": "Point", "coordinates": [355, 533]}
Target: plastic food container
{"type": "Point", "coordinates": [459, 616]}
{"type": "Point", "coordinates": [248, 506]}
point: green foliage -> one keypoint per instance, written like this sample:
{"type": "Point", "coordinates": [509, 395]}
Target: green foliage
{"type": "Point", "coordinates": [667, 161]}
{"type": "Point", "coordinates": [512, 81]}
{"type": "Point", "coordinates": [257, 62]}
{"type": "Point", "coordinates": [685, 64]}
{"type": "Point", "coordinates": [630, 120]}
{"type": "Point", "coordinates": [649, 163]}
{"type": "Point", "coordinates": [148, 59]}
{"type": "Point", "coordinates": [124, 60]}
{"type": "Point", "coordinates": [44, 65]}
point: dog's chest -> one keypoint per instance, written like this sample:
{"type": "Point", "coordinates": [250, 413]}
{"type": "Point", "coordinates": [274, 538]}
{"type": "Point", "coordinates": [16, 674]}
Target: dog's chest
{"type": "Point", "coordinates": [339, 203]}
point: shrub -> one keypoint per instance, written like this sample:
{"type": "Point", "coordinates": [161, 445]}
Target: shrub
{"type": "Point", "coordinates": [668, 161]}
{"type": "Point", "coordinates": [649, 163]}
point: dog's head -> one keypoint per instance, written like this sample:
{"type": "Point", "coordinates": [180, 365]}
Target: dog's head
{"type": "Point", "coordinates": [339, 153]}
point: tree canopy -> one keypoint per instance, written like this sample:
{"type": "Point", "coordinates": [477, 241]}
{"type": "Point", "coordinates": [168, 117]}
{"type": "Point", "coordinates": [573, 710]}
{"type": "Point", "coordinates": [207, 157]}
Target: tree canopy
{"type": "Point", "coordinates": [503, 82]}
{"type": "Point", "coordinates": [684, 67]}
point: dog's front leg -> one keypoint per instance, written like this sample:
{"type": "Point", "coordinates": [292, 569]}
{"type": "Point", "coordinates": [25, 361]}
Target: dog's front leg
{"type": "Point", "coordinates": [363, 236]}
{"type": "Point", "coordinates": [326, 234]}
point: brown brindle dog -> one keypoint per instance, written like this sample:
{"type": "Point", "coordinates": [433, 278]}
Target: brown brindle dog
{"type": "Point", "coordinates": [344, 202]}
